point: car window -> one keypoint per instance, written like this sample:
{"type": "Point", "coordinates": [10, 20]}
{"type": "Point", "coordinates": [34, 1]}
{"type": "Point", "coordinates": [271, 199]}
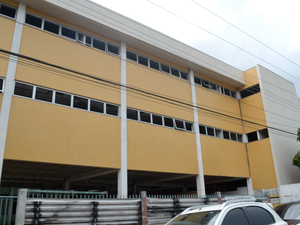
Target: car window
{"type": "Point", "coordinates": [259, 216]}
{"type": "Point", "coordinates": [235, 217]}
{"type": "Point", "coordinates": [293, 212]}
{"type": "Point", "coordinates": [202, 218]}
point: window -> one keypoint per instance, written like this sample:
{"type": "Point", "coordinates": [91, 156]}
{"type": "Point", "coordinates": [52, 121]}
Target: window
{"type": "Point", "coordinates": [184, 75]}
{"type": "Point", "coordinates": [51, 27]}
{"type": "Point", "coordinates": [143, 60]}
{"type": "Point", "coordinates": [239, 138]}
{"type": "Point", "coordinates": [80, 103]}
{"type": "Point", "coordinates": [205, 84]}
{"type": "Point", "coordinates": [80, 38]}
{"type": "Point", "coordinates": [213, 86]}
{"type": "Point", "coordinates": [68, 33]}
{"type": "Point", "coordinates": [197, 80]}
{"type": "Point", "coordinates": [263, 134]}
{"type": "Point", "coordinates": [88, 41]}
{"type": "Point", "coordinates": [202, 129]}
{"type": "Point", "coordinates": [7, 11]}
{"type": "Point", "coordinates": [218, 133]}
{"type": "Point", "coordinates": [179, 124]}
{"type": "Point", "coordinates": [250, 91]}
{"type": "Point", "coordinates": [189, 126]}
{"type": "Point", "coordinates": [113, 49]}
{"type": "Point", "coordinates": [259, 216]}
{"type": "Point", "coordinates": [112, 110]}
{"type": "Point", "coordinates": [132, 56]}
{"type": "Point", "coordinates": [157, 119]}
{"type": "Point", "coordinates": [43, 94]}
{"type": "Point", "coordinates": [235, 217]}
{"type": "Point", "coordinates": [62, 99]}
{"type": "Point", "coordinates": [24, 90]}
{"type": "Point", "coordinates": [252, 136]}
{"type": "Point", "coordinates": [1, 85]}
{"type": "Point", "coordinates": [97, 106]}
{"type": "Point", "coordinates": [165, 68]}
{"type": "Point", "coordinates": [233, 136]}
{"type": "Point", "coordinates": [226, 135]}
{"type": "Point", "coordinates": [132, 114]}
{"type": "Point", "coordinates": [233, 94]}
{"type": "Point", "coordinates": [210, 131]}
{"type": "Point", "coordinates": [145, 117]}
{"type": "Point", "coordinates": [175, 72]}
{"type": "Point", "coordinates": [34, 21]}
{"type": "Point", "coordinates": [168, 122]}
{"type": "Point", "coordinates": [154, 65]}
{"type": "Point", "coordinates": [98, 44]}
{"type": "Point", "coordinates": [227, 92]}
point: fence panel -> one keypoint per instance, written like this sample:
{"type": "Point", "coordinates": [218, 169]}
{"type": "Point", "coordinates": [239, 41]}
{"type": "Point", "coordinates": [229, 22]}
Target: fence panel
{"type": "Point", "coordinates": [7, 209]}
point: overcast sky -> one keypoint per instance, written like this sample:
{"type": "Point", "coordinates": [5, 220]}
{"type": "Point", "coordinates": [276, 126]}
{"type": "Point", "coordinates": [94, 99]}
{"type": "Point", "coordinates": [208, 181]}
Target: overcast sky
{"type": "Point", "coordinates": [200, 24]}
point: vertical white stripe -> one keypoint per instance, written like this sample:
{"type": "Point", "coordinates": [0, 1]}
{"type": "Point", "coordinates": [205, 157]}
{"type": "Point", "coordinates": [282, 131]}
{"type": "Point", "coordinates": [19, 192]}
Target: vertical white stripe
{"type": "Point", "coordinates": [200, 178]}
{"type": "Point", "coordinates": [122, 174]}
{"type": "Point", "coordinates": [9, 82]}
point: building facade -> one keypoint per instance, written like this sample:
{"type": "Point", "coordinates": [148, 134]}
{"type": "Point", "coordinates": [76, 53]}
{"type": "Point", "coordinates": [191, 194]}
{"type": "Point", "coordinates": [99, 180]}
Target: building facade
{"type": "Point", "coordinates": [92, 100]}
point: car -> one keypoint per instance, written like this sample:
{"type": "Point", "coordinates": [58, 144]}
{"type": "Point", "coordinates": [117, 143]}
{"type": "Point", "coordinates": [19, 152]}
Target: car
{"type": "Point", "coordinates": [289, 212]}
{"type": "Point", "coordinates": [233, 212]}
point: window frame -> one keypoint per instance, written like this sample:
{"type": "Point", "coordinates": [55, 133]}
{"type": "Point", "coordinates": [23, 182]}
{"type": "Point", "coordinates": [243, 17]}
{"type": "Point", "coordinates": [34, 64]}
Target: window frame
{"type": "Point", "coordinates": [9, 6]}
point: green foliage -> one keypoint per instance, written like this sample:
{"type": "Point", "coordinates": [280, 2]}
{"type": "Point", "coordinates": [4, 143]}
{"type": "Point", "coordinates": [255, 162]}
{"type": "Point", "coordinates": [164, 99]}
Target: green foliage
{"type": "Point", "coordinates": [296, 159]}
{"type": "Point", "coordinates": [298, 135]}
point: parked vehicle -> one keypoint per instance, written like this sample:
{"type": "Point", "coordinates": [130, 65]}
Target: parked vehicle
{"type": "Point", "coordinates": [229, 213]}
{"type": "Point", "coordinates": [289, 212]}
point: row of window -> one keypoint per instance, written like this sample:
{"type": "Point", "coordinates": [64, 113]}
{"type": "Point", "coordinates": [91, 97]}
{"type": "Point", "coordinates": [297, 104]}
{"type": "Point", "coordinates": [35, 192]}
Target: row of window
{"type": "Point", "coordinates": [214, 87]}
{"type": "Point", "coordinates": [7, 10]}
{"type": "Point", "coordinates": [214, 132]}
{"type": "Point", "coordinates": [64, 31]}
{"type": "Point", "coordinates": [258, 135]}
{"type": "Point", "coordinates": [145, 61]}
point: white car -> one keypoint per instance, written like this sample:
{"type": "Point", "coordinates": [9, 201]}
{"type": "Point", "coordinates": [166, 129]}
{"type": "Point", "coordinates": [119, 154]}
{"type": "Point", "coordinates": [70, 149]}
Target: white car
{"type": "Point", "coordinates": [229, 213]}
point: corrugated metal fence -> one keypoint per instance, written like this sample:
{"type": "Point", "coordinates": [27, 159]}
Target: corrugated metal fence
{"type": "Point", "coordinates": [82, 208]}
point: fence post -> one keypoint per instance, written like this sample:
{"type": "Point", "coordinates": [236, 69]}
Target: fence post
{"type": "Point", "coordinates": [21, 205]}
{"type": "Point", "coordinates": [269, 198]}
{"type": "Point", "coordinates": [144, 207]}
{"type": "Point", "coordinates": [219, 195]}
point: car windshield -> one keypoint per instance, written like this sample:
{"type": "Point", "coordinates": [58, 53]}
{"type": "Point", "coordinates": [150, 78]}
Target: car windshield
{"type": "Point", "coordinates": [200, 218]}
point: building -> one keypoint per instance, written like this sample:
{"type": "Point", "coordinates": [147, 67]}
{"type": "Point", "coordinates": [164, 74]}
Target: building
{"type": "Point", "coordinates": [92, 100]}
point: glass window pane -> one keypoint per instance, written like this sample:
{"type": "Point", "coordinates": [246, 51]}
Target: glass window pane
{"type": "Point", "coordinates": [43, 94]}
{"type": "Point", "coordinates": [34, 21]}
{"type": "Point", "coordinates": [113, 49]}
{"type": "Point", "coordinates": [168, 122]}
{"type": "Point", "coordinates": [88, 41]}
{"type": "Point", "coordinates": [226, 135]}
{"type": "Point", "coordinates": [7, 11]}
{"type": "Point", "coordinates": [157, 120]}
{"type": "Point", "coordinates": [145, 117]}
{"type": "Point", "coordinates": [233, 136]}
{"type": "Point", "coordinates": [62, 99]}
{"type": "Point", "coordinates": [1, 85]}
{"type": "Point", "coordinates": [112, 110]}
{"type": "Point", "coordinates": [202, 129]}
{"type": "Point", "coordinates": [132, 114]}
{"type": "Point", "coordinates": [213, 86]}
{"type": "Point", "coordinates": [175, 72]}
{"type": "Point", "coordinates": [188, 126]}
{"type": "Point", "coordinates": [210, 131]}
{"type": "Point", "coordinates": [165, 68]}
{"type": "Point", "coordinates": [80, 103]}
{"type": "Point", "coordinates": [259, 216]}
{"type": "Point", "coordinates": [51, 27]}
{"type": "Point", "coordinates": [227, 92]}
{"type": "Point", "coordinates": [24, 90]}
{"type": "Point", "coordinates": [235, 217]}
{"type": "Point", "coordinates": [179, 124]}
{"type": "Point", "coordinates": [99, 44]}
{"type": "Point", "coordinates": [131, 56]}
{"type": "Point", "coordinates": [80, 38]}
{"type": "Point", "coordinates": [143, 60]}
{"type": "Point", "coordinates": [197, 80]}
{"type": "Point", "coordinates": [154, 64]}
{"type": "Point", "coordinates": [184, 75]}
{"type": "Point", "coordinates": [205, 84]}
{"type": "Point", "coordinates": [233, 94]}
{"type": "Point", "coordinates": [252, 136]}
{"type": "Point", "coordinates": [97, 106]}
{"type": "Point", "coordinates": [68, 33]}
{"type": "Point", "coordinates": [239, 138]}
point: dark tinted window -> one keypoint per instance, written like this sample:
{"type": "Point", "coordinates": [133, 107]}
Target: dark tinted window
{"type": "Point", "coordinates": [145, 117]}
{"type": "Point", "coordinates": [131, 55]}
{"type": "Point", "coordinates": [168, 122]}
{"type": "Point", "coordinates": [63, 99]}
{"type": "Point", "coordinates": [239, 138]}
{"type": "Point", "coordinates": [225, 134]}
{"type": "Point", "coordinates": [68, 33]}
{"type": "Point", "coordinates": [210, 131]}
{"type": "Point", "coordinates": [213, 86]}
{"type": "Point", "coordinates": [179, 124]}
{"type": "Point", "coordinates": [165, 68]}
{"type": "Point", "coordinates": [250, 91]}
{"type": "Point", "coordinates": [23, 90]}
{"type": "Point", "coordinates": [97, 106]}
{"type": "Point", "coordinates": [99, 44]}
{"type": "Point", "coordinates": [197, 80]}
{"type": "Point", "coordinates": [205, 84]}
{"type": "Point", "coordinates": [252, 136]}
{"type": "Point", "coordinates": [259, 216]}
{"type": "Point", "coordinates": [80, 103]}
{"type": "Point", "coordinates": [88, 41]}
{"type": "Point", "coordinates": [7, 11]}
{"type": "Point", "coordinates": [227, 92]}
{"type": "Point", "coordinates": [43, 94]}
{"type": "Point", "coordinates": [113, 49]}
{"type": "Point", "coordinates": [188, 126]}
{"type": "Point", "coordinates": [175, 72]}
{"type": "Point", "coordinates": [154, 65]}
{"type": "Point", "coordinates": [235, 217]}
{"type": "Point", "coordinates": [202, 129]}
{"type": "Point", "coordinates": [143, 60]}
{"type": "Point", "coordinates": [233, 136]}
{"type": "Point", "coordinates": [34, 21]}
{"type": "Point", "coordinates": [184, 75]}
{"type": "Point", "coordinates": [157, 120]}
{"type": "Point", "coordinates": [132, 114]}
{"type": "Point", "coordinates": [51, 27]}
{"type": "Point", "coordinates": [233, 94]}
{"type": "Point", "coordinates": [1, 85]}
{"type": "Point", "coordinates": [112, 109]}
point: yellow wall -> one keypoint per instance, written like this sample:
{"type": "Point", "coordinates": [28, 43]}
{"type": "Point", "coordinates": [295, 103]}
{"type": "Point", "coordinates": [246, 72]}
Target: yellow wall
{"type": "Point", "coordinates": [43, 132]}
{"type": "Point", "coordinates": [9, 2]}
{"type": "Point", "coordinates": [215, 101]}
{"type": "Point", "coordinates": [224, 158]}
{"type": "Point", "coordinates": [250, 77]}
{"type": "Point", "coordinates": [154, 148]}
{"type": "Point", "coordinates": [261, 164]}
{"type": "Point", "coordinates": [69, 54]}
{"type": "Point", "coordinates": [8, 26]}
{"type": "Point", "coordinates": [161, 84]}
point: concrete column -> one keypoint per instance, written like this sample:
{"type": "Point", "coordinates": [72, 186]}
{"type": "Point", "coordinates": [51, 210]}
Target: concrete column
{"type": "Point", "coordinates": [21, 206]}
{"type": "Point", "coordinates": [250, 186]}
{"type": "Point", "coordinates": [122, 173]}
{"type": "Point", "coordinates": [200, 178]}
{"type": "Point", "coordinates": [66, 186]}
{"type": "Point", "coordinates": [144, 207]}
{"type": "Point", "coordinates": [9, 81]}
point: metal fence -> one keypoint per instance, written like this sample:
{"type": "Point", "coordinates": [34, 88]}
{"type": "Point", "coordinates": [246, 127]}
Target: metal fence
{"type": "Point", "coordinates": [7, 209]}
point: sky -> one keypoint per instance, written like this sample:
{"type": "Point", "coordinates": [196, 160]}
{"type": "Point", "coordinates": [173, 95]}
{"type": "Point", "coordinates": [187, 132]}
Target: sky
{"type": "Point", "coordinates": [241, 33]}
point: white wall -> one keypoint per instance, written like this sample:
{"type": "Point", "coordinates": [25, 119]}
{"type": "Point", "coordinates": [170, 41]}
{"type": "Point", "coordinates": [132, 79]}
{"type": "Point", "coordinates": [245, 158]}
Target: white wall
{"type": "Point", "coordinates": [282, 112]}
{"type": "Point", "coordinates": [290, 193]}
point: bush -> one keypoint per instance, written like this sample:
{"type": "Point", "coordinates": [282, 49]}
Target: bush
{"type": "Point", "coordinates": [296, 160]}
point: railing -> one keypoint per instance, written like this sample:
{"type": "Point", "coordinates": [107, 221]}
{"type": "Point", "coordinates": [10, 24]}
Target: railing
{"type": "Point", "coordinates": [66, 194]}
{"type": "Point", "coordinates": [7, 209]}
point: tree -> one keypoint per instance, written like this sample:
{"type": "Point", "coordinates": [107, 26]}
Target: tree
{"type": "Point", "coordinates": [296, 159]}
